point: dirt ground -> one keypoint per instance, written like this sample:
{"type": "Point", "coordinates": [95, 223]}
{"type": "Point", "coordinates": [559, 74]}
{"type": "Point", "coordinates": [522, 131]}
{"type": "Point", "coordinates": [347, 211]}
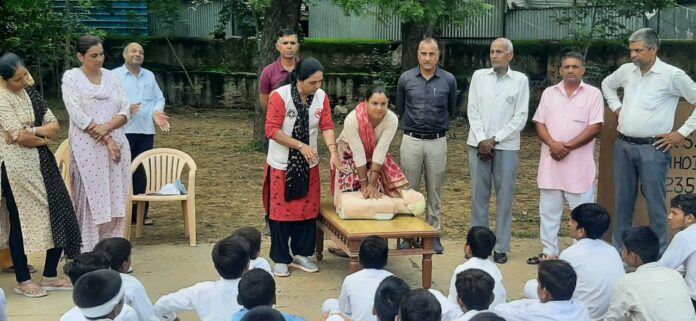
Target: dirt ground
{"type": "Point", "coordinates": [230, 171]}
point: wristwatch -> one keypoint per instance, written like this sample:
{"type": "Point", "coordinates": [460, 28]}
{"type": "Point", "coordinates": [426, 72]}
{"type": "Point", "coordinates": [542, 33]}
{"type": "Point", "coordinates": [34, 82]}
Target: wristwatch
{"type": "Point", "coordinates": [300, 146]}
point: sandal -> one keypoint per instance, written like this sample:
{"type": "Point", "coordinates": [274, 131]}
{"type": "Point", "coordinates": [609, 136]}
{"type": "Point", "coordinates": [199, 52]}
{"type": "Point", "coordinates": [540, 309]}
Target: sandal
{"type": "Point", "coordinates": [338, 252]}
{"type": "Point", "coordinates": [534, 260]}
{"type": "Point", "coordinates": [32, 269]}
{"type": "Point", "coordinates": [56, 284]}
{"type": "Point", "coordinates": [148, 221]}
{"type": "Point", "coordinates": [30, 290]}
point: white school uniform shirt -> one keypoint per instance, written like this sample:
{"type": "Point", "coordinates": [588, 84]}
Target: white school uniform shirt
{"type": "Point", "coordinates": [358, 293]}
{"type": "Point", "coordinates": [534, 310]}
{"type": "Point", "coordinates": [450, 311]}
{"type": "Point", "coordinates": [682, 251]}
{"type": "Point", "coordinates": [468, 315]}
{"type": "Point", "coordinates": [490, 268]}
{"type": "Point", "coordinates": [260, 263]}
{"type": "Point", "coordinates": [127, 314]}
{"type": "Point", "coordinates": [650, 100]}
{"type": "Point", "coordinates": [651, 293]}
{"type": "Point", "coordinates": [212, 301]}
{"type": "Point", "coordinates": [3, 306]}
{"type": "Point", "coordinates": [497, 107]}
{"type": "Point", "coordinates": [598, 267]}
{"type": "Point", "coordinates": [136, 296]}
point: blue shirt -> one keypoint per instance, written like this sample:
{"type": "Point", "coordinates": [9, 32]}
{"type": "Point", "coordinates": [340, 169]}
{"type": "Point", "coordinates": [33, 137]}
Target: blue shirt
{"type": "Point", "coordinates": [239, 314]}
{"type": "Point", "coordinates": [143, 89]}
{"type": "Point", "coordinates": [425, 106]}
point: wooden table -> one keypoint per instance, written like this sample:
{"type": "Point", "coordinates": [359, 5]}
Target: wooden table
{"type": "Point", "coordinates": [348, 234]}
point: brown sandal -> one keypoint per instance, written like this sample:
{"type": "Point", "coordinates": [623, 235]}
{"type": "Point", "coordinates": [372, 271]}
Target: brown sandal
{"type": "Point", "coordinates": [56, 284]}
{"type": "Point", "coordinates": [30, 290]}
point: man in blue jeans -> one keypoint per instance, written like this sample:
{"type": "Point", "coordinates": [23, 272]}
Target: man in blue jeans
{"type": "Point", "coordinates": [652, 89]}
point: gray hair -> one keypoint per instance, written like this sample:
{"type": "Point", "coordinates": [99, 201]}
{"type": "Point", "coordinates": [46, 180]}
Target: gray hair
{"type": "Point", "coordinates": [125, 49]}
{"type": "Point", "coordinates": [648, 36]}
{"type": "Point", "coordinates": [508, 44]}
{"type": "Point", "coordinates": [573, 55]}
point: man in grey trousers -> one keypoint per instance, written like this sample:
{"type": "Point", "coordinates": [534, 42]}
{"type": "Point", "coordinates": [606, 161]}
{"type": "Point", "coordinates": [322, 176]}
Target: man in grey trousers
{"type": "Point", "coordinates": [497, 112]}
{"type": "Point", "coordinates": [426, 97]}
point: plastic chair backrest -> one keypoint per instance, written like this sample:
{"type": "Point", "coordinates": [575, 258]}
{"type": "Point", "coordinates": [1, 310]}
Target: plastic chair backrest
{"type": "Point", "coordinates": [163, 166]}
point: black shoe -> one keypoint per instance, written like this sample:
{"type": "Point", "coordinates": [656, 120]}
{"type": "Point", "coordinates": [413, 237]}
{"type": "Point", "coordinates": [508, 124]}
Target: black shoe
{"type": "Point", "coordinates": [439, 249]}
{"type": "Point", "coordinates": [500, 257]}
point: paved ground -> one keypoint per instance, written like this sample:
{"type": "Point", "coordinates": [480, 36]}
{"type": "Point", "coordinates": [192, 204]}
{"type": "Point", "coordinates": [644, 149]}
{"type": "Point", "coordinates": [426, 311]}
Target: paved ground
{"type": "Point", "coordinates": [167, 268]}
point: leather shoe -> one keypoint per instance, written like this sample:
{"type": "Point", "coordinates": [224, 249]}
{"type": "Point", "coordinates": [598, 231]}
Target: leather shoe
{"type": "Point", "coordinates": [500, 257]}
{"type": "Point", "coordinates": [439, 249]}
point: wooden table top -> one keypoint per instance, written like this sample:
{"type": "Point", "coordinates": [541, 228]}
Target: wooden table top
{"type": "Point", "coordinates": [399, 226]}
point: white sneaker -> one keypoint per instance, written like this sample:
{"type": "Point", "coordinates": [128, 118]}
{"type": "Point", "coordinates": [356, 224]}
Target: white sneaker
{"type": "Point", "coordinates": [303, 263]}
{"type": "Point", "coordinates": [281, 270]}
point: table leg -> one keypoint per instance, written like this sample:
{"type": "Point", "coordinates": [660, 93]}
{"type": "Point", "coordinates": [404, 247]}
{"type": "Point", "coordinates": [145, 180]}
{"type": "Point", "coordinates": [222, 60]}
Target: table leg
{"type": "Point", "coordinates": [427, 270]}
{"type": "Point", "coordinates": [354, 264]}
{"type": "Point", "coordinates": [319, 244]}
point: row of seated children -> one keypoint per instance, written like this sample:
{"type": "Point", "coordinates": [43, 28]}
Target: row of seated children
{"type": "Point", "coordinates": [586, 282]}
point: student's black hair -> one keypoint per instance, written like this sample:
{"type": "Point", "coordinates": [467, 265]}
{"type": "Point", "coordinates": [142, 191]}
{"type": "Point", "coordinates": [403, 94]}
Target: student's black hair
{"type": "Point", "coordinates": [96, 288]}
{"type": "Point", "coordinates": [481, 241]}
{"type": "Point", "coordinates": [375, 90]}
{"type": "Point", "coordinates": [486, 316]}
{"type": "Point", "coordinates": [557, 277]}
{"type": "Point", "coordinates": [420, 305]}
{"type": "Point", "coordinates": [475, 289]}
{"type": "Point", "coordinates": [87, 41]}
{"type": "Point", "coordinates": [86, 262]}
{"type": "Point", "coordinates": [304, 69]}
{"type": "Point", "coordinates": [256, 288]}
{"type": "Point", "coordinates": [388, 297]}
{"type": "Point", "coordinates": [253, 236]}
{"type": "Point", "coordinates": [286, 32]}
{"type": "Point", "coordinates": [643, 241]}
{"type": "Point", "coordinates": [231, 257]}
{"type": "Point", "coordinates": [593, 218]}
{"type": "Point", "coordinates": [685, 202]}
{"type": "Point", "coordinates": [263, 313]}
{"type": "Point", "coordinates": [9, 63]}
{"type": "Point", "coordinates": [374, 252]}
{"type": "Point", "coordinates": [118, 248]}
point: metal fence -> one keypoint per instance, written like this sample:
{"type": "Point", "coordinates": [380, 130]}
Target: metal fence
{"type": "Point", "coordinates": [328, 21]}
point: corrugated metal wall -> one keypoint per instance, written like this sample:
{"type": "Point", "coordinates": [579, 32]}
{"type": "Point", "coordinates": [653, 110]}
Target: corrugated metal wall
{"type": "Point", "coordinates": [328, 21]}
{"type": "Point", "coordinates": [194, 21]}
{"type": "Point", "coordinates": [123, 17]}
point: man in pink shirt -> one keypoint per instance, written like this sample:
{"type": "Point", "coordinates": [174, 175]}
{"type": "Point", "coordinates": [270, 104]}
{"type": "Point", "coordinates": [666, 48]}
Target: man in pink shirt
{"type": "Point", "coordinates": [275, 74]}
{"type": "Point", "coordinates": [569, 116]}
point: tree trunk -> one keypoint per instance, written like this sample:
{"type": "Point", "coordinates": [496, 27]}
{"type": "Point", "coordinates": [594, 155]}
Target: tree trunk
{"type": "Point", "coordinates": [280, 14]}
{"type": "Point", "coordinates": [411, 35]}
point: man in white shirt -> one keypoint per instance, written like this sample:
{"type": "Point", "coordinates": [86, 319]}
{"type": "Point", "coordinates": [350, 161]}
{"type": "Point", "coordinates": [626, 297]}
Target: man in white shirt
{"type": "Point", "coordinates": [212, 300]}
{"type": "Point", "coordinates": [652, 89]}
{"type": "Point", "coordinates": [682, 250]}
{"type": "Point", "coordinates": [556, 286]}
{"type": "Point", "coordinates": [597, 264]}
{"type": "Point", "coordinates": [358, 289]}
{"type": "Point", "coordinates": [474, 292]}
{"type": "Point", "coordinates": [497, 112]}
{"type": "Point", "coordinates": [652, 292]}
{"type": "Point", "coordinates": [147, 109]}
{"type": "Point", "coordinates": [479, 245]}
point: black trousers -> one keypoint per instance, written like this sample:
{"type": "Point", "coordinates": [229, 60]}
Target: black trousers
{"type": "Point", "coordinates": [139, 143]}
{"type": "Point", "coordinates": [19, 258]}
{"type": "Point", "coordinates": [300, 234]}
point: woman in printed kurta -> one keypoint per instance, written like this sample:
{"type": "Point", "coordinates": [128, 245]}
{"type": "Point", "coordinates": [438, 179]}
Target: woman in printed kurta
{"type": "Point", "coordinates": [291, 193]}
{"type": "Point", "coordinates": [100, 160]}
{"type": "Point", "coordinates": [37, 214]}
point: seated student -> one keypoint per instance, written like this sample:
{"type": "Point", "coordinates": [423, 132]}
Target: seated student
{"type": "Point", "coordinates": [82, 264]}
{"type": "Point", "coordinates": [253, 236]}
{"type": "Point", "coordinates": [652, 292]}
{"type": "Point", "coordinates": [474, 292]}
{"type": "Point", "coordinates": [596, 263]}
{"type": "Point", "coordinates": [682, 249]}
{"type": "Point", "coordinates": [263, 313]}
{"type": "Point", "coordinates": [388, 297]}
{"type": "Point", "coordinates": [486, 316]}
{"type": "Point", "coordinates": [212, 300]}
{"type": "Point", "coordinates": [119, 249]}
{"type": "Point", "coordinates": [419, 305]}
{"type": "Point", "coordinates": [479, 246]}
{"type": "Point", "coordinates": [358, 289]}
{"type": "Point", "coordinates": [3, 306]}
{"type": "Point", "coordinates": [257, 288]}
{"type": "Point", "coordinates": [556, 286]}
{"type": "Point", "coordinates": [98, 295]}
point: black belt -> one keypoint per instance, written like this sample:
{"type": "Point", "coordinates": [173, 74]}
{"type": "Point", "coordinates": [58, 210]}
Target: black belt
{"type": "Point", "coordinates": [426, 136]}
{"type": "Point", "coordinates": [638, 140]}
